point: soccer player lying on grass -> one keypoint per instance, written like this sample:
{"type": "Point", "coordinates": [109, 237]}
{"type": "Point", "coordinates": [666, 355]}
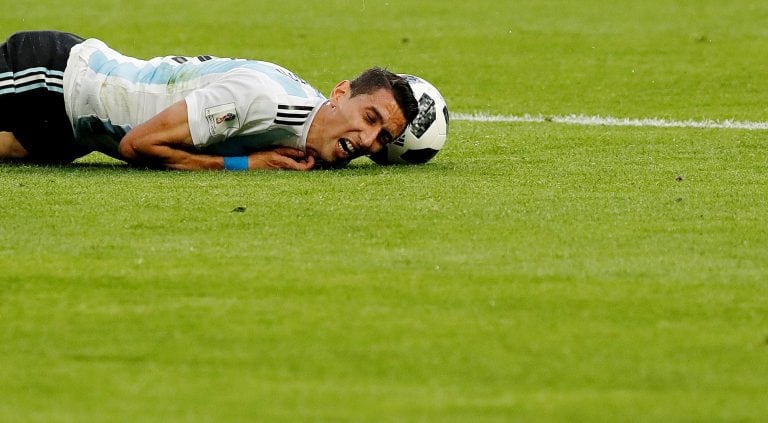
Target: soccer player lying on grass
{"type": "Point", "coordinates": [62, 97]}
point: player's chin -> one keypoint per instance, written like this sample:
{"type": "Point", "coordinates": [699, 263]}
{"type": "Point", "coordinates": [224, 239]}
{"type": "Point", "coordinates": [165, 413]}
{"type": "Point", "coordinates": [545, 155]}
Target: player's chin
{"type": "Point", "coordinates": [333, 158]}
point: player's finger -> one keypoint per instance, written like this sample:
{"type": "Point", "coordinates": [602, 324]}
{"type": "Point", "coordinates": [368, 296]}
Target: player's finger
{"type": "Point", "coordinates": [305, 164]}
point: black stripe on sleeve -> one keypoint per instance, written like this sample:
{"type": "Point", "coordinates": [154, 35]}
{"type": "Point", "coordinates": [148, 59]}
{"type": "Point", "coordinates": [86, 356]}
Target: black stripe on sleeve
{"type": "Point", "coordinates": [285, 107]}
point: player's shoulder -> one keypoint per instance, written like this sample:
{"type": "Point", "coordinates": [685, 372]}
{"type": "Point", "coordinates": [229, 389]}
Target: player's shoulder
{"type": "Point", "coordinates": [275, 78]}
{"type": "Point", "coordinates": [263, 92]}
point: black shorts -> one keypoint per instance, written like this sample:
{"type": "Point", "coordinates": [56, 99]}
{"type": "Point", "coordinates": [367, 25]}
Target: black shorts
{"type": "Point", "coordinates": [32, 94]}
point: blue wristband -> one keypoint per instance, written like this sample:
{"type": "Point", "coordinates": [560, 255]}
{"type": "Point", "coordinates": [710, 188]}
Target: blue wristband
{"type": "Point", "coordinates": [236, 163]}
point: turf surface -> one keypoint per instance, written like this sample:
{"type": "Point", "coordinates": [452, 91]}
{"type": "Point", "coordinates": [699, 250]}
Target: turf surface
{"type": "Point", "coordinates": [533, 271]}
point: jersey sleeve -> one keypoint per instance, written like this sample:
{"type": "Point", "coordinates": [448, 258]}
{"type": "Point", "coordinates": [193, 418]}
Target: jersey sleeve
{"type": "Point", "coordinates": [240, 102]}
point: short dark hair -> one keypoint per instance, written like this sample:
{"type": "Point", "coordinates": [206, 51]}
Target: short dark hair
{"type": "Point", "coordinates": [374, 79]}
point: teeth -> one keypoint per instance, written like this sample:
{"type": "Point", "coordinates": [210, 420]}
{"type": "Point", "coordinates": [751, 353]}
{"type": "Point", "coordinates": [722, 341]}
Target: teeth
{"type": "Point", "coordinates": [347, 146]}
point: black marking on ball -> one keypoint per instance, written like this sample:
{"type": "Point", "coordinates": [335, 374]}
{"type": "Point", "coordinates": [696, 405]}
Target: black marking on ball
{"type": "Point", "coordinates": [419, 156]}
{"type": "Point", "coordinates": [445, 113]}
{"type": "Point", "coordinates": [426, 116]}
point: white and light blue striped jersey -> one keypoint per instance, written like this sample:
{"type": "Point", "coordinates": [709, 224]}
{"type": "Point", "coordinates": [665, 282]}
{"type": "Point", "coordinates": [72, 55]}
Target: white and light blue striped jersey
{"type": "Point", "coordinates": [234, 106]}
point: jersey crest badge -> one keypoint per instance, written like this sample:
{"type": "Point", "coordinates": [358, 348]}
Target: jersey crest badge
{"type": "Point", "coordinates": [222, 118]}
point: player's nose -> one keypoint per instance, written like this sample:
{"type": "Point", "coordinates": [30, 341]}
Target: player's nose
{"type": "Point", "coordinates": [369, 136]}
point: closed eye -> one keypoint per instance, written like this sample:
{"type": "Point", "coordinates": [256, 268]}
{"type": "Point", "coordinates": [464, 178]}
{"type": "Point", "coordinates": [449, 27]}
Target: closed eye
{"type": "Point", "coordinates": [372, 115]}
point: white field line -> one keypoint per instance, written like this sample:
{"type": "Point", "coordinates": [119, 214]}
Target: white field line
{"type": "Point", "coordinates": [612, 121]}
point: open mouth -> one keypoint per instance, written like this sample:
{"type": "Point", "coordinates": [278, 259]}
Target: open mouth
{"type": "Point", "coordinates": [347, 146]}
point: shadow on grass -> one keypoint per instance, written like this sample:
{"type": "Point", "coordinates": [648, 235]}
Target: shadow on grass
{"type": "Point", "coordinates": [357, 168]}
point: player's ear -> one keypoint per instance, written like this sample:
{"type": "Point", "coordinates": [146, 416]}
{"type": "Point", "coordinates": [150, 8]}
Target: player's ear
{"type": "Point", "coordinates": [341, 90]}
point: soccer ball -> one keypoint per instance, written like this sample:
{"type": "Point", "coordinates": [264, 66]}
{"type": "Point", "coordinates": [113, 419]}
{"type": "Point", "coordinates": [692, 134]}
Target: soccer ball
{"type": "Point", "coordinates": [426, 135]}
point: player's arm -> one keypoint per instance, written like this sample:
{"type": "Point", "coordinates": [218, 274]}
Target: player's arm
{"type": "Point", "coordinates": [166, 141]}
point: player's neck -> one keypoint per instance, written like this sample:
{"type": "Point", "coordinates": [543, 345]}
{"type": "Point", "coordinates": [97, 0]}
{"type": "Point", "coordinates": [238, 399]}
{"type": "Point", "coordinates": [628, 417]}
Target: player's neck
{"type": "Point", "coordinates": [315, 131]}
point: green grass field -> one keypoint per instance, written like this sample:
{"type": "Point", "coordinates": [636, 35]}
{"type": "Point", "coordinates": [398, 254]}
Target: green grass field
{"type": "Point", "coordinates": [531, 272]}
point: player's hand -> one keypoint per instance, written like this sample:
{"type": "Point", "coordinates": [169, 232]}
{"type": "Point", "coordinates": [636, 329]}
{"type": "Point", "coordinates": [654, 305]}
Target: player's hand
{"type": "Point", "coordinates": [281, 158]}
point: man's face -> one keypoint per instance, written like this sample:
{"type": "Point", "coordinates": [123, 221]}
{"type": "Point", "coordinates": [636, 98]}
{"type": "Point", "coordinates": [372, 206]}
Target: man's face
{"type": "Point", "coordinates": [348, 127]}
